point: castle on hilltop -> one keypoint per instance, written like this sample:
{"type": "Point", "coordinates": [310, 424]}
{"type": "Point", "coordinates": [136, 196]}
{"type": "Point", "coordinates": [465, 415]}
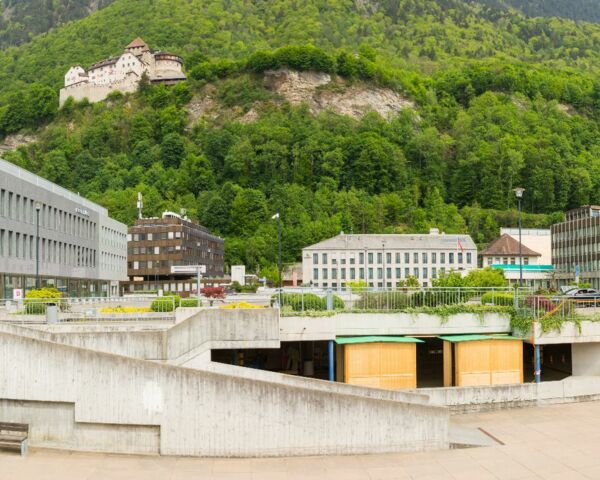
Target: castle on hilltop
{"type": "Point", "coordinates": [122, 73]}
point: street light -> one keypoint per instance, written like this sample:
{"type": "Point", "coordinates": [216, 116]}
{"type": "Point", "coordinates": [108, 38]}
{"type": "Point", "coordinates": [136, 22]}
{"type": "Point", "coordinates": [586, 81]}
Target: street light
{"type": "Point", "coordinates": [519, 193]}
{"type": "Point", "coordinates": [279, 264]}
{"type": "Point", "coordinates": [38, 207]}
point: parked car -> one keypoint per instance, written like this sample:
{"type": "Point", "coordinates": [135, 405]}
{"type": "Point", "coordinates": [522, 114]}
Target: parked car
{"type": "Point", "coordinates": [583, 297]}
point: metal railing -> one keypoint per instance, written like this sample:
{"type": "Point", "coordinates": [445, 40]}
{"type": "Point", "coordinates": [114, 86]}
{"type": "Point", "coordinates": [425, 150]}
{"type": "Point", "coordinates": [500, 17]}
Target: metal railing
{"type": "Point", "coordinates": [36, 310]}
{"type": "Point", "coordinates": [397, 299]}
{"type": "Point", "coordinates": [559, 308]}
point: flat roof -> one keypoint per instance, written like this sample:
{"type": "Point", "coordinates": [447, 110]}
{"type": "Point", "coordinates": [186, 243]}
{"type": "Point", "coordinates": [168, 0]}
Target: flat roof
{"type": "Point", "coordinates": [395, 241]}
{"type": "Point", "coordinates": [376, 339]}
{"type": "Point", "coordinates": [21, 173]}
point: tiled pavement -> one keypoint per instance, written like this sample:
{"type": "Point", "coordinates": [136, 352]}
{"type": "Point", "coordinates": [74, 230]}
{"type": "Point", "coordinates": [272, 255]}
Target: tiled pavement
{"type": "Point", "coordinates": [551, 442]}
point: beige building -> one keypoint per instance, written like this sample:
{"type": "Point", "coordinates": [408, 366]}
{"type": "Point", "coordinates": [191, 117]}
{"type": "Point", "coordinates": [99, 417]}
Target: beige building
{"type": "Point", "coordinates": [386, 260]}
{"type": "Point", "coordinates": [122, 73]}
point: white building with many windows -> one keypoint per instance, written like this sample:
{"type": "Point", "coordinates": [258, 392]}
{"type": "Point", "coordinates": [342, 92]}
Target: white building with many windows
{"type": "Point", "coordinates": [386, 260]}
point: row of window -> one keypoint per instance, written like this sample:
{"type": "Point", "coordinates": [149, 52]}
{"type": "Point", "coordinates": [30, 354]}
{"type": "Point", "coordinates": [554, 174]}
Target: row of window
{"type": "Point", "coordinates": [20, 245]}
{"type": "Point", "coordinates": [158, 264]}
{"type": "Point", "coordinates": [172, 235]}
{"type": "Point", "coordinates": [423, 256]}
{"type": "Point", "coordinates": [505, 261]}
{"type": "Point", "coordinates": [22, 209]}
{"type": "Point", "coordinates": [190, 251]}
{"type": "Point", "coordinates": [390, 273]}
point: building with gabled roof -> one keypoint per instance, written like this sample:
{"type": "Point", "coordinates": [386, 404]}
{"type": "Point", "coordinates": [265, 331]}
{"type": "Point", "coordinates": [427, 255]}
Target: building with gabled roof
{"type": "Point", "coordinates": [122, 73]}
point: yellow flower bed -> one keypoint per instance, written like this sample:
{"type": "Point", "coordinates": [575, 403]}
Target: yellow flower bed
{"type": "Point", "coordinates": [125, 310]}
{"type": "Point", "coordinates": [239, 305]}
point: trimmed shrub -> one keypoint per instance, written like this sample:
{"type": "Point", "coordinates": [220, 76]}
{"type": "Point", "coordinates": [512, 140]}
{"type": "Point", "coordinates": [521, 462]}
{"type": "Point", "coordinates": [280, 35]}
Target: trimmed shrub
{"type": "Point", "coordinates": [189, 302]}
{"type": "Point", "coordinates": [37, 300]}
{"type": "Point", "coordinates": [493, 298]}
{"type": "Point", "coordinates": [166, 303]}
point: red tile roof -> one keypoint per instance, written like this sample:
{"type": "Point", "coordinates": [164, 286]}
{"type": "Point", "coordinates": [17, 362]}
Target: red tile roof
{"type": "Point", "coordinates": [138, 42]}
{"type": "Point", "coordinates": [507, 245]}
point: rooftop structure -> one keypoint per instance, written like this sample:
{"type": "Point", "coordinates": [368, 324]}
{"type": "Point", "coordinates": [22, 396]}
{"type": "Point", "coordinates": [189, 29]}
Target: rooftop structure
{"type": "Point", "coordinates": [122, 73]}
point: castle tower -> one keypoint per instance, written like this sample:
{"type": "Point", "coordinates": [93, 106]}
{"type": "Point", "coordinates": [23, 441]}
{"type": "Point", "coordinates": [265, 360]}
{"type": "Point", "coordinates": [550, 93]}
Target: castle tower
{"type": "Point", "coordinates": [137, 47]}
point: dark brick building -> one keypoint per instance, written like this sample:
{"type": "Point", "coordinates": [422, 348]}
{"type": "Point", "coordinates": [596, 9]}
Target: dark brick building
{"type": "Point", "coordinates": [156, 244]}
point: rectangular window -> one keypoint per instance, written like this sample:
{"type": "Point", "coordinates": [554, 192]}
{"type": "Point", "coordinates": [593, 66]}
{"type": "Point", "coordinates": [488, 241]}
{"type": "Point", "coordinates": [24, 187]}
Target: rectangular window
{"type": "Point", "coordinates": [370, 274]}
{"type": "Point", "coordinates": [433, 257]}
{"type": "Point", "coordinates": [460, 257]}
{"type": "Point", "coordinates": [406, 272]}
{"type": "Point", "coordinates": [379, 258]}
{"type": "Point", "coordinates": [442, 257]}
{"type": "Point", "coordinates": [433, 272]}
{"type": "Point", "coordinates": [416, 272]}
{"type": "Point", "coordinates": [388, 258]}
{"type": "Point", "coordinates": [334, 274]}
{"type": "Point", "coordinates": [361, 258]}
{"type": "Point", "coordinates": [324, 257]}
{"type": "Point", "coordinates": [352, 260]}
{"type": "Point", "coordinates": [333, 261]}
{"type": "Point", "coordinates": [407, 257]}
{"type": "Point", "coordinates": [424, 272]}
{"type": "Point", "coordinates": [424, 257]}
{"type": "Point", "coordinates": [343, 273]}
{"type": "Point", "coordinates": [398, 272]}
{"type": "Point", "coordinates": [397, 258]}
{"type": "Point", "coordinates": [352, 273]}
{"type": "Point", "coordinates": [315, 258]}
{"type": "Point", "coordinates": [451, 258]}
{"type": "Point", "coordinates": [361, 273]}
{"type": "Point", "coordinates": [370, 257]}
{"type": "Point", "coordinates": [469, 258]}
{"type": "Point", "coordinates": [324, 271]}
{"type": "Point", "coordinates": [415, 257]}
{"type": "Point", "coordinates": [512, 260]}
{"type": "Point", "coordinates": [525, 260]}
{"type": "Point", "coordinates": [388, 273]}
{"type": "Point", "coordinates": [315, 273]}
{"type": "Point", "coordinates": [380, 273]}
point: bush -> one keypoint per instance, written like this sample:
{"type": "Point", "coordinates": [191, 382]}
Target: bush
{"type": "Point", "coordinates": [309, 301]}
{"type": "Point", "coordinates": [190, 302]}
{"type": "Point", "coordinates": [37, 300]}
{"type": "Point", "coordinates": [166, 303]}
{"type": "Point", "coordinates": [494, 298]}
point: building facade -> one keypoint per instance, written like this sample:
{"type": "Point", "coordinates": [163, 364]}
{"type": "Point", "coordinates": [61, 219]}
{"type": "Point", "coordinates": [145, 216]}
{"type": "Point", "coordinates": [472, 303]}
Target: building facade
{"type": "Point", "coordinates": [386, 260]}
{"type": "Point", "coordinates": [82, 252]}
{"type": "Point", "coordinates": [122, 73]}
{"type": "Point", "coordinates": [157, 244]}
{"type": "Point", "coordinates": [503, 253]}
{"type": "Point", "coordinates": [576, 247]}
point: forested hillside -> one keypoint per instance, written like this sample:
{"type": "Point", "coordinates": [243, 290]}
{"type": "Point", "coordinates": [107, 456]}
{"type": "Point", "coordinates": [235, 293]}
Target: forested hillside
{"type": "Point", "coordinates": [500, 100]}
{"type": "Point", "coordinates": [21, 20]}
{"type": "Point", "coordinates": [583, 10]}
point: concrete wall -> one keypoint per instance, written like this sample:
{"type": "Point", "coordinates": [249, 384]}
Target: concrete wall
{"type": "Point", "coordinates": [327, 328]}
{"type": "Point", "coordinates": [586, 359]}
{"type": "Point", "coordinates": [200, 412]}
{"type": "Point", "coordinates": [569, 333]}
{"type": "Point", "coordinates": [464, 399]}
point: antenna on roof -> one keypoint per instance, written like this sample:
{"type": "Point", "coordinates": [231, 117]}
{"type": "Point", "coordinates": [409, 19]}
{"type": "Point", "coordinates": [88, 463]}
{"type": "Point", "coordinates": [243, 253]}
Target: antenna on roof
{"type": "Point", "coordinates": [140, 204]}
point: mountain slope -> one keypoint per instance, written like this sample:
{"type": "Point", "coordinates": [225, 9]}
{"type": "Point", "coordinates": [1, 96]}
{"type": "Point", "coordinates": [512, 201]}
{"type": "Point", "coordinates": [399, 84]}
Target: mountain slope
{"type": "Point", "coordinates": [581, 10]}
{"type": "Point", "coordinates": [21, 20]}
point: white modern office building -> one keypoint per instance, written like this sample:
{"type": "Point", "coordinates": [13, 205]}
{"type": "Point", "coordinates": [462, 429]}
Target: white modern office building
{"type": "Point", "coordinates": [81, 250]}
{"type": "Point", "coordinates": [386, 260]}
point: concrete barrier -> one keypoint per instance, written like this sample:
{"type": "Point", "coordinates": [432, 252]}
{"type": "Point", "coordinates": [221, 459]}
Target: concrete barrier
{"type": "Point", "coordinates": [197, 412]}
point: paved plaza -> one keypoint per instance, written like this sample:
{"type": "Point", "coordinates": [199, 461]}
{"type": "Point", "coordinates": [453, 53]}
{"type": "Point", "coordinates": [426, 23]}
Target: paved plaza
{"type": "Point", "coordinates": [551, 442]}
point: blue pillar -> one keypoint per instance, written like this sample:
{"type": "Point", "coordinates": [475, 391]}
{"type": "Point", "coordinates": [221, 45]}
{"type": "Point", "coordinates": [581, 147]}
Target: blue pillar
{"type": "Point", "coordinates": [331, 360]}
{"type": "Point", "coordinates": [538, 367]}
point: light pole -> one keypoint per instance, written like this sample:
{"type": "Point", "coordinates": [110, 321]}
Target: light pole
{"type": "Point", "coordinates": [38, 207]}
{"type": "Point", "coordinates": [277, 216]}
{"type": "Point", "coordinates": [519, 193]}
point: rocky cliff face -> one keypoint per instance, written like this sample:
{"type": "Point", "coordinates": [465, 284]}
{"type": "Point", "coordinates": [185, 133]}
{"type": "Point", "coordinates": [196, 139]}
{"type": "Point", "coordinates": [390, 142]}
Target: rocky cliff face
{"type": "Point", "coordinates": [321, 92]}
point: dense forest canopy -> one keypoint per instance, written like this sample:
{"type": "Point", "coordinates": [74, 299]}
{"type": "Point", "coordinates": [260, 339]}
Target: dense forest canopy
{"type": "Point", "coordinates": [501, 100]}
{"type": "Point", "coordinates": [584, 10]}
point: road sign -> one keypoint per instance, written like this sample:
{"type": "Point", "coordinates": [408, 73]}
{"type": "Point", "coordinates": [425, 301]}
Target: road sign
{"type": "Point", "coordinates": [188, 269]}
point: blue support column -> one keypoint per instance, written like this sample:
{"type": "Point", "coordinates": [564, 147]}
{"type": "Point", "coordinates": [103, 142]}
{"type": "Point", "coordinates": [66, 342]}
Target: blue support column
{"type": "Point", "coordinates": [331, 360]}
{"type": "Point", "coordinates": [538, 366]}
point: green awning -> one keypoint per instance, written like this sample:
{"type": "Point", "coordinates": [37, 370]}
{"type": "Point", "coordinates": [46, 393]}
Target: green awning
{"type": "Point", "coordinates": [474, 337]}
{"type": "Point", "coordinates": [376, 339]}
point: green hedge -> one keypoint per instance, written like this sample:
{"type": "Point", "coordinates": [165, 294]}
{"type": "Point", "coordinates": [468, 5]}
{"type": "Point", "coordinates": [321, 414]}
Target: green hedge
{"type": "Point", "coordinates": [398, 300]}
{"type": "Point", "coordinates": [190, 302]}
{"type": "Point", "coordinates": [308, 301]}
{"type": "Point", "coordinates": [166, 303]}
{"type": "Point", "coordinates": [493, 298]}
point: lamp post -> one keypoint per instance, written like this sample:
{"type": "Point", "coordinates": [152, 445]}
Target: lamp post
{"type": "Point", "coordinates": [519, 194]}
{"type": "Point", "coordinates": [38, 207]}
{"type": "Point", "coordinates": [277, 216]}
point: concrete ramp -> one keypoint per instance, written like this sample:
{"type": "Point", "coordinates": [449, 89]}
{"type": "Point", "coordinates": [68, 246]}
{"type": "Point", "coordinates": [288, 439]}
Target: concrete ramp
{"type": "Point", "coordinates": [120, 401]}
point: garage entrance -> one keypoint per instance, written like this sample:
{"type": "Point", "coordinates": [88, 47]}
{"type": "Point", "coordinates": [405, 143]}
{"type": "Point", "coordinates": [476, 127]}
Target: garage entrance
{"type": "Point", "coordinates": [556, 362]}
{"type": "Point", "coordinates": [430, 362]}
